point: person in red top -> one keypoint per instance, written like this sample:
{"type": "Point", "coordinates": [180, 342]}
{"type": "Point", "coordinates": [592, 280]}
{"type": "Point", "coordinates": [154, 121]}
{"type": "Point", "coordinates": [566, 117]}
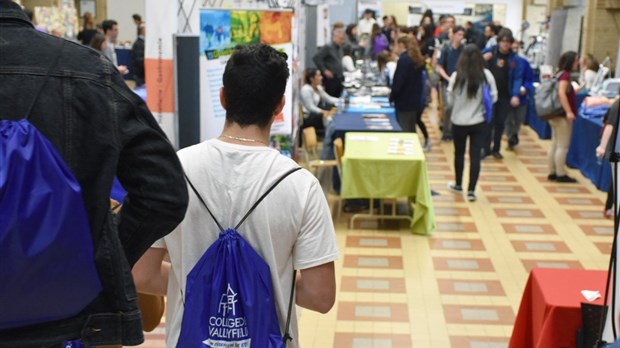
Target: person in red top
{"type": "Point", "coordinates": [562, 125]}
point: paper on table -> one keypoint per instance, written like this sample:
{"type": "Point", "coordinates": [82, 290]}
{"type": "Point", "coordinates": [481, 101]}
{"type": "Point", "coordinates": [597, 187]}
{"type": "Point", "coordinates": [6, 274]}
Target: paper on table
{"type": "Point", "coordinates": [362, 138]}
{"type": "Point", "coordinates": [591, 295]}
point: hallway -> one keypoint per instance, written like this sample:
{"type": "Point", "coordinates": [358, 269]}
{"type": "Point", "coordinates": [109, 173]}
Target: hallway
{"type": "Point", "coordinates": [460, 287]}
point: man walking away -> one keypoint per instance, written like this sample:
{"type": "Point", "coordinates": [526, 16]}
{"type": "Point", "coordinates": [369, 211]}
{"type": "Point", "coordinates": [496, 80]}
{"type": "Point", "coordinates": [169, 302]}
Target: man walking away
{"type": "Point", "coordinates": [290, 229]}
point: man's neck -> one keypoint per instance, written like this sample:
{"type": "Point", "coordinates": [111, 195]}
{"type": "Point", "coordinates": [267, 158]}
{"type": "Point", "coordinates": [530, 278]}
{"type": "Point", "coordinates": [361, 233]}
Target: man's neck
{"type": "Point", "coordinates": [249, 135]}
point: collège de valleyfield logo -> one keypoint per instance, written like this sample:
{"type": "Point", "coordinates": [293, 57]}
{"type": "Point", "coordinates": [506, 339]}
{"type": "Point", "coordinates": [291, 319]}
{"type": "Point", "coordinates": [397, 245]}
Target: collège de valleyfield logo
{"type": "Point", "coordinates": [229, 328]}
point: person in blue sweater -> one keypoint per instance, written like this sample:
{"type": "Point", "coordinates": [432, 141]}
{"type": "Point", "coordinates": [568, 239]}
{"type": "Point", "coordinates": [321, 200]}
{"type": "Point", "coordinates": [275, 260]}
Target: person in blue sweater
{"type": "Point", "coordinates": [515, 119]}
{"type": "Point", "coordinates": [408, 86]}
{"type": "Point", "coordinates": [507, 69]}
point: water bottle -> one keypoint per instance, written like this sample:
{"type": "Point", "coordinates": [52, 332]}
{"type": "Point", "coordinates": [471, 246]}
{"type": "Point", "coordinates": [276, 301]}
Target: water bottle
{"type": "Point", "coordinates": [344, 101]}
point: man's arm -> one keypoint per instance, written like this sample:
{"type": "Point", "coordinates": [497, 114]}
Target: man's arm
{"type": "Point", "coordinates": [315, 252]}
{"type": "Point", "coordinates": [150, 273]}
{"type": "Point", "coordinates": [517, 81]}
{"type": "Point", "coordinates": [443, 59]}
{"type": "Point", "coordinates": [319, 58]}
{"type": "Point", "coordinates": [316, 288]}
{"type": "Point", "coordinates": [150, 172]}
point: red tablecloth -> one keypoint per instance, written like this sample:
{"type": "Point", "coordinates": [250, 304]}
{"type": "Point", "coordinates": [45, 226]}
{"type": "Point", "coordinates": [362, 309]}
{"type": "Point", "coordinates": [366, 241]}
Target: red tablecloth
{"type": "Point", "coordinates": [550, 311]}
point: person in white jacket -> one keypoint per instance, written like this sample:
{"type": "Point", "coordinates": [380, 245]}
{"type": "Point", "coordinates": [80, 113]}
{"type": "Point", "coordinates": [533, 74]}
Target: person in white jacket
{"type": "Point", "coordinates": [313, 96]}
{"type": "Point", "coordinates": [465, 94]}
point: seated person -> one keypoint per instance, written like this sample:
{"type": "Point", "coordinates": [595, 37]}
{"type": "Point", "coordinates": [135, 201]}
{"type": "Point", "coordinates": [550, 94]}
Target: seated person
{"type": "Point", "coordinates": [316, 103]}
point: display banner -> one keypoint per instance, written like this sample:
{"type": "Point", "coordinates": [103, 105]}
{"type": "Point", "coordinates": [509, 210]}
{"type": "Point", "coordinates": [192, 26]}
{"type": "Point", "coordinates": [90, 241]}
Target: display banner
{"type": "Point", "coordinates": [220, 31]}
{"type": "Point", "coordinates": [158, 64]}
{"type": "Point", "coordinates": [445, 6]}
{"type": "Point", "coordinates": [323, 31]}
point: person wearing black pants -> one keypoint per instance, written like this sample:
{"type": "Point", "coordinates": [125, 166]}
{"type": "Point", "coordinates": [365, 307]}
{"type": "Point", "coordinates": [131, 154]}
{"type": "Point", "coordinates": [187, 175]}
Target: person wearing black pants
{"type": "Point", "coordinates": [507, 69]}
{"type": "Point", "coordinates": [465, 93]}
{"type": "Point", "coordinates": [427, 140]}
{"type": "Point", "coordinates": [477, 134]}
{"type": "Point", "coordinates": [498, 123]}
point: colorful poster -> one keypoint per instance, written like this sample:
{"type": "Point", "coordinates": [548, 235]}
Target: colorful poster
{"type": "Point", "coordinates": [275, 27]}
{"type": "Point", "coordinates": [220, 32]}
{"type": "Point", "coordinates": [322, 26]}
{"type": "Point", "coordinates": [215, 33]}
{"type": "Point", "coordinates": [245, 27]}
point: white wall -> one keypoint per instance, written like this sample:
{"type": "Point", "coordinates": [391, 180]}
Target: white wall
{"type": "Point", "coordinates": [121, 11]}
{"type": "Point", "coordinates": [514, 10]}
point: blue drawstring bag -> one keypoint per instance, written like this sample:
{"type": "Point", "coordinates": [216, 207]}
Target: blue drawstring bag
{"type": "Point", "coordinates": [229, 298]}
{"type": "Point", "coordinates": [46, 250]}
{"type": "Point", "coordinates": [487, 101]}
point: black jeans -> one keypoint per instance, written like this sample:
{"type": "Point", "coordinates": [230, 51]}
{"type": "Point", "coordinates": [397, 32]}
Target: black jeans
{"type": "Point", "coordinates": [498, 122]}
{"type": "Point", "coordinates": [422, 126]}
{"type": "Point", "coordinates": [477, 134]}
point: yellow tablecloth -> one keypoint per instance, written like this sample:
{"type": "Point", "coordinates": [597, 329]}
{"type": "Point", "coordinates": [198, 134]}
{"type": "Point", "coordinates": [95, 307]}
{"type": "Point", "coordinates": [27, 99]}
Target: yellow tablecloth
{"type": "Point", "coordinates": [388, 165]}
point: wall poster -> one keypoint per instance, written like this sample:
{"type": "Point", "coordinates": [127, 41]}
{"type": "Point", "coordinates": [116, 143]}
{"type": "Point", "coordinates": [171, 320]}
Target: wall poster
{"type": "Point", "coordinates": [220, 31]}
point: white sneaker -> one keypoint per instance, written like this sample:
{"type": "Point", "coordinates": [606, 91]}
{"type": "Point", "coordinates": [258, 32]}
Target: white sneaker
{"type": "Point", "coordinates": [471, 196]}
{"type": "Point", "coordinates": [455, 188]}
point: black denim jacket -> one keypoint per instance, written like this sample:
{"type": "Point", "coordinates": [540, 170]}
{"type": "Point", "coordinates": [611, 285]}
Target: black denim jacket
{"type": "Point", "coordinates": [101, 129]}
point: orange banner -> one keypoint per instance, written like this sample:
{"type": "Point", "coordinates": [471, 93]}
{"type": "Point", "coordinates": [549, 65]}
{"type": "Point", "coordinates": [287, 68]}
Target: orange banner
{"type": "Point", "coordinates": [160, 85]}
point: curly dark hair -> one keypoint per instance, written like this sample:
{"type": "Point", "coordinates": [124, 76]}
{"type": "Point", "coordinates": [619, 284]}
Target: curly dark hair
{"type": "Point", "coordinates": [254, 82]}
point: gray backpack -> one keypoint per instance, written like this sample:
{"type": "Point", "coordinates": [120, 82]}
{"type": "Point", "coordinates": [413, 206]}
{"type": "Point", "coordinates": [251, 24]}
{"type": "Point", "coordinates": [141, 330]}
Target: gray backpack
{"type": "Point", "coordinates": [547, 100]}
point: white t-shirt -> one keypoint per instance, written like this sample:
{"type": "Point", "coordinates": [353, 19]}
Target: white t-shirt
{"type": "Point", "coordinates": [292, 226]}
{"type": "Point", "coordinates": [364, 26]}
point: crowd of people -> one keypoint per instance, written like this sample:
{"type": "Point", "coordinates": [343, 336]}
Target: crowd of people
{"type": "Point", "coordinates": [415, 60]}
{"type": "Point", "coordinates": [104, 38]}
{"type": "Point", "coordinates": [291, 229]}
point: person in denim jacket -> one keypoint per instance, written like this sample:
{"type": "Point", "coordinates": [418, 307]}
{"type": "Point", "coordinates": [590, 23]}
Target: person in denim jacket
{"type": "Point", "coordinates": [102, 130]}
{"type": "Point", "coordinates": [507, 69]}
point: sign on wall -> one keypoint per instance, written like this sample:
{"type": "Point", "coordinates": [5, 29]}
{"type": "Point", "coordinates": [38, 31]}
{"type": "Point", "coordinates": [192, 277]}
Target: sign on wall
{"type": "Point", "coordinates": [220, 31]}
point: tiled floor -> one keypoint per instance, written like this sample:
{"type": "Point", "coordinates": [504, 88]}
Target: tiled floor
{"type": "Point", "coordinates": [461, 286]}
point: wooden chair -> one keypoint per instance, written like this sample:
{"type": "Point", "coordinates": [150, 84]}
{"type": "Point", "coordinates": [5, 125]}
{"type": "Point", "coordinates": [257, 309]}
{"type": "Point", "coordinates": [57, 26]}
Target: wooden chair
{"type": "Point", "coordinates": [338, 153]}
{"type": "Point", "coordinates": [311, 155]}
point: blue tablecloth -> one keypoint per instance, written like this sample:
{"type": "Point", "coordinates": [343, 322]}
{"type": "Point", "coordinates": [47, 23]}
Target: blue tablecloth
{"type": "Point", "coordinates": [355, 122]}
{"type": "Point", "coordinates": [539, 126]}
{"type": "Point", "coordinates": [362, 110]}
{"type": "Point", "coordinates": [581, 153]}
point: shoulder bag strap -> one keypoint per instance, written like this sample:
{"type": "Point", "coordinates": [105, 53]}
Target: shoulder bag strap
{"type": "Point", "coordinates": [265, 195]}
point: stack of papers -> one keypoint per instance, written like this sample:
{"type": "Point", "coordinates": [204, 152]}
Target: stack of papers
{"type": "Point", "coordinates": [377, 122]}
{"type": "Point", "coordinates": [362, 138]}
{"type": "Point", "coordinates": [400, 146]}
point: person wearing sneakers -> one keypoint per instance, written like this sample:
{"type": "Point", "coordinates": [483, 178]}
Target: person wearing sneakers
{"type": "Point", "coordinates": [562, 125]}
{"type": "Point", "coordinates": [465, 94]}
{"type": "Point", "coordinates": [507, 69]}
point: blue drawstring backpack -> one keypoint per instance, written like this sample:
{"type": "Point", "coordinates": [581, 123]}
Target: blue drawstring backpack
{"type": "Point", "coordinates": [487, 102]}
{"type": "Point", "coordinates": [229, 298]}
{"type": "Point", "coordinates": [46, 249]}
